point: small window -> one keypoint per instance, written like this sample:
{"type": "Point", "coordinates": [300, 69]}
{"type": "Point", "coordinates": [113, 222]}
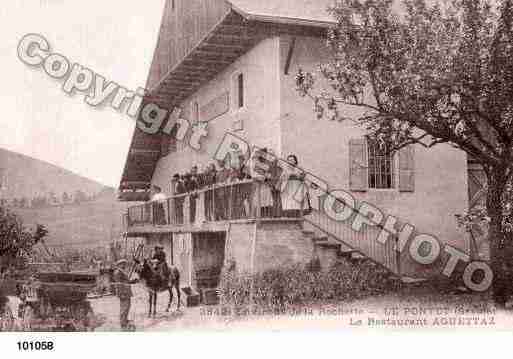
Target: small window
{"type": "Point", "coordinates": [195, 113]}
{"type": "Point", "coordinates": [238, 91]}
{"type": "Point", "coordinates": [173, 5]}
{"type": "Point", "coordinates": [240, 84]}
{"type": "Point", "coordinates": [381, 166]}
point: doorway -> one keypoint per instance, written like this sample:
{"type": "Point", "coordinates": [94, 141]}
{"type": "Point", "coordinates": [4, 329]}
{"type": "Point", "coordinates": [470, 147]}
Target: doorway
{"type": "Point", "coordinates": [208, 259]}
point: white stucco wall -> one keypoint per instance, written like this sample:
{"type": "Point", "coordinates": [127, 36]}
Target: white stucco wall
{"type": "Point", "coordinates": [261, 125]}
{"type": "Point", "coordinates": [323, 148]}
{"type": "Point", "coordinates": [278, 118]}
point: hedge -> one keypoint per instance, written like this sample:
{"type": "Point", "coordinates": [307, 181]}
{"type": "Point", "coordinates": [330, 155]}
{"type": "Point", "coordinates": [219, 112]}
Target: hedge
{"type": "Point", "coordinates": [305, 285]}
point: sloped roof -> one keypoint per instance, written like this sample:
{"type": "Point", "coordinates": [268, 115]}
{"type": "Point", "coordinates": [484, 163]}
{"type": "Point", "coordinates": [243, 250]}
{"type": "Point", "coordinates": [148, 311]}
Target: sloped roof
{"type": "Point", "coordinates": [286, 10]}
{"type": "Point", "coordinates": [239, 25]}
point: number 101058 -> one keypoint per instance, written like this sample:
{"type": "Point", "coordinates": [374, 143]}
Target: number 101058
{"type": "Point", "coordinates": [36, 346]}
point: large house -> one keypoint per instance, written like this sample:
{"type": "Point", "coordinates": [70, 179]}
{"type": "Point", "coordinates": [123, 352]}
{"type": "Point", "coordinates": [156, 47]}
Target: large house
{"type": "Point", "coordinates": [232, 65]}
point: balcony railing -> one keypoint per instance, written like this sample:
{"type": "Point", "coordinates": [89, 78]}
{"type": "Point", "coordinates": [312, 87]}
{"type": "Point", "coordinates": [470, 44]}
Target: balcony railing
{"type": "Point", "coordinates": [242, 200]}
{"type": "Point", "coordinates": [249, 200]}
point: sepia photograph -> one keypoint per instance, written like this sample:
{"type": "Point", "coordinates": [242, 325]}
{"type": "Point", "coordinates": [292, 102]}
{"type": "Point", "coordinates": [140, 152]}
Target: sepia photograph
{"type": "Point", "coordinates": [255, 165]}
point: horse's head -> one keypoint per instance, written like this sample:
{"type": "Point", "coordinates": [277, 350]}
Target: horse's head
{"type": "Point", "coordinates": [154, 264]}
{"type": "Point", "coordinates": [138, 266]}
{"type": "Point", "coordinates": [143, 269]}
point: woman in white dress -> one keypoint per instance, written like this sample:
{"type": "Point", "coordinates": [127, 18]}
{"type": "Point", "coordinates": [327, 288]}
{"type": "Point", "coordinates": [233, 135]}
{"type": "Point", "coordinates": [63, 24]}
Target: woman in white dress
{"type": "Point", "coordinates": [263, 194]}
{"type": "Point", "coordinates": [293, 189]}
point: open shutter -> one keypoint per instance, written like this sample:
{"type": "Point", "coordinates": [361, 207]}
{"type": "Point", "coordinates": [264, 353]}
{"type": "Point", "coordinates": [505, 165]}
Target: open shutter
{"type": "Point", "coordinates": [407, 169]}
{"type": "Point", "coordinates": [358, 165]}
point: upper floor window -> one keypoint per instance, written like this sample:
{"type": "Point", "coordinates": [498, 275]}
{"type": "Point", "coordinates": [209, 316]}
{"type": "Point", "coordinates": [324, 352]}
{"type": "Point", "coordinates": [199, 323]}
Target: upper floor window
{"type": "Point", "coordinates": [381, 166]}
{"type": "Point", "coordinates": [195, 113]}
{"type": "Point", "coordinates": [238, 91]}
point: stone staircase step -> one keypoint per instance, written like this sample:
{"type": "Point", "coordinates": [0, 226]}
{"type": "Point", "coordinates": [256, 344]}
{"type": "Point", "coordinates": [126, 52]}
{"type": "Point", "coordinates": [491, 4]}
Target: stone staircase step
{"type": "Point", "coordinates": [308, 233]}
{"type": "Point", "coordinates": [319, 239]}
{"type": "Point", "coordinates": [410, 280]}
{"type": "Point", "coordinates": [326, 244]}
{"type": "Point", "coordinates": [357, 255]}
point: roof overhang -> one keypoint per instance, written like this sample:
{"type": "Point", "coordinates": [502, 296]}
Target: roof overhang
{"type": "Point", "coordinates": [231, 38]}
{"type": "Point", "coordinates": [285, 20]}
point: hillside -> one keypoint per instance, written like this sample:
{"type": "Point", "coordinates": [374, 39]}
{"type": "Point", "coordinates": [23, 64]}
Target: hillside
{"type": "Point", "coordinates": [87, 215]}
{"type": "Point", "coordinates": [29, 178]}
{"type": "Point", "coordinates": [89, 224]}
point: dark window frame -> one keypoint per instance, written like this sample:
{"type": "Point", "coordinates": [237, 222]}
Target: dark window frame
{"type": "Point", "coordinates": [381, 167]}
{"type": "Point", "coordinates": [240, 91]}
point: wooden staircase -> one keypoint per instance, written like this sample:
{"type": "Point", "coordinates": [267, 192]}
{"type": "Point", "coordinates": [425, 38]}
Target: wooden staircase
{"type": "Point", "coordinates": [333, 240]}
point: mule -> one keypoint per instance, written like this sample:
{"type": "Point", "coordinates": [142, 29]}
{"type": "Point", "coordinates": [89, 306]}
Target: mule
{"type": "Point", "coordinates": [156, 283]}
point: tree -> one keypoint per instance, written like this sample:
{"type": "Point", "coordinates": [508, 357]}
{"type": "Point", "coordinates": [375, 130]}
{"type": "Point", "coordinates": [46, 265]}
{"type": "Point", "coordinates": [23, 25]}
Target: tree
{"type": "Point", "coordinates": [16, 241]}
{"type": "Point", "coordinates": [429, 75]}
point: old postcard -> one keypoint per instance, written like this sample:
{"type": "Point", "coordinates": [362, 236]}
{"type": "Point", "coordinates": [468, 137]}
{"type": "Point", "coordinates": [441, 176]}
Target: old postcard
{"type": "Point", "coordinates": [230, 165]}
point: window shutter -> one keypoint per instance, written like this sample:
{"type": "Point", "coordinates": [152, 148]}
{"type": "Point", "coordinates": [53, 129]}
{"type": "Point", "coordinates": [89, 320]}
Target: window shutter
{"type": "Point", "coordinates": [358, 166]}
{"type": "Point", "coordinates": [407, 169]}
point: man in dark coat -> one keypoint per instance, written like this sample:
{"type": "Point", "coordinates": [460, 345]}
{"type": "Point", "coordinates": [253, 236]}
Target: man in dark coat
{"type": "Point", "coordinates": [192, 185]}
{"type": "Point", "coordinates": [209, 180]}
{"type": "Point", "coordinates": [221, 194]}
{"type": "Point", "coordinates": [122, 289]}
{"type": "Point", "coordinates": [178, 189]}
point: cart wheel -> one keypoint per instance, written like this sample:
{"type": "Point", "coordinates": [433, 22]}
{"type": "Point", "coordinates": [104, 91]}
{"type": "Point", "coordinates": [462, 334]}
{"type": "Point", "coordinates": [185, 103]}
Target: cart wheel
{"type": "Point", "coordinates": [7, 320]}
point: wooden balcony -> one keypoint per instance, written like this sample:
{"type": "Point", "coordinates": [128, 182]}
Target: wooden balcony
{"type": "Point", "coordinates": [211, 209]}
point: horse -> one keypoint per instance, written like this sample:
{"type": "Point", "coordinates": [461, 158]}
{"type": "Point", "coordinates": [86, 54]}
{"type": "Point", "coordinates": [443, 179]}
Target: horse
{"type": "Point", "coordinates": [155, 282]}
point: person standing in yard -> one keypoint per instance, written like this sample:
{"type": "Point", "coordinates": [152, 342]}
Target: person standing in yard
{"type": "Point", "coordinates": [122, 289]}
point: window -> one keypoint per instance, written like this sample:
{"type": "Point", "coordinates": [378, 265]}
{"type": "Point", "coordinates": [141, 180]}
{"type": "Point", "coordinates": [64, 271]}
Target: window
{"type": "Point", "coordinates": [240, 84]}
{"type": "Point", "coordinates": [381, 166]}
{"type": "Point", "coordinates": [173, 5]}
{"type": "Point", "coordinates": [238, 91]}
{"type": "Point", "coordinates": [195, 113]}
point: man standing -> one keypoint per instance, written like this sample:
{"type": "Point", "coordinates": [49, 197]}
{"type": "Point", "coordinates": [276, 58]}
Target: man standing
{"type": "Point", "coordinates": [159, 212]}
{"type": "Point", "coordinates": [192, 185]}
{"type": "Point", "coordinates": [221, 194]}
{"type": "Point", "coordinates": [209, 179]}
{"type": "Point", "coordinates": [122, 289]}
{"type": "Point", "coordinates": [178, 189]}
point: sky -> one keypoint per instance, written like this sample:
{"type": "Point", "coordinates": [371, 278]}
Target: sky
{"type": "Point", "coordinates": [114, 38]}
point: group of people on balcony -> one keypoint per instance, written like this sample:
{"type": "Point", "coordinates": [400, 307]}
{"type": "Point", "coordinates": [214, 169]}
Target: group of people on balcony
{"type": "Point", "coordinates": [225, 192]}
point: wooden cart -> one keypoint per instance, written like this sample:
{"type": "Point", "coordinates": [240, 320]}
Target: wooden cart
{"type": "Point", "coordinates": [58, 302]}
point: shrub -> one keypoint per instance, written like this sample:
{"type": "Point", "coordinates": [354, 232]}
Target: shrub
{"type": "Point", "coordinates": [280, 288]}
